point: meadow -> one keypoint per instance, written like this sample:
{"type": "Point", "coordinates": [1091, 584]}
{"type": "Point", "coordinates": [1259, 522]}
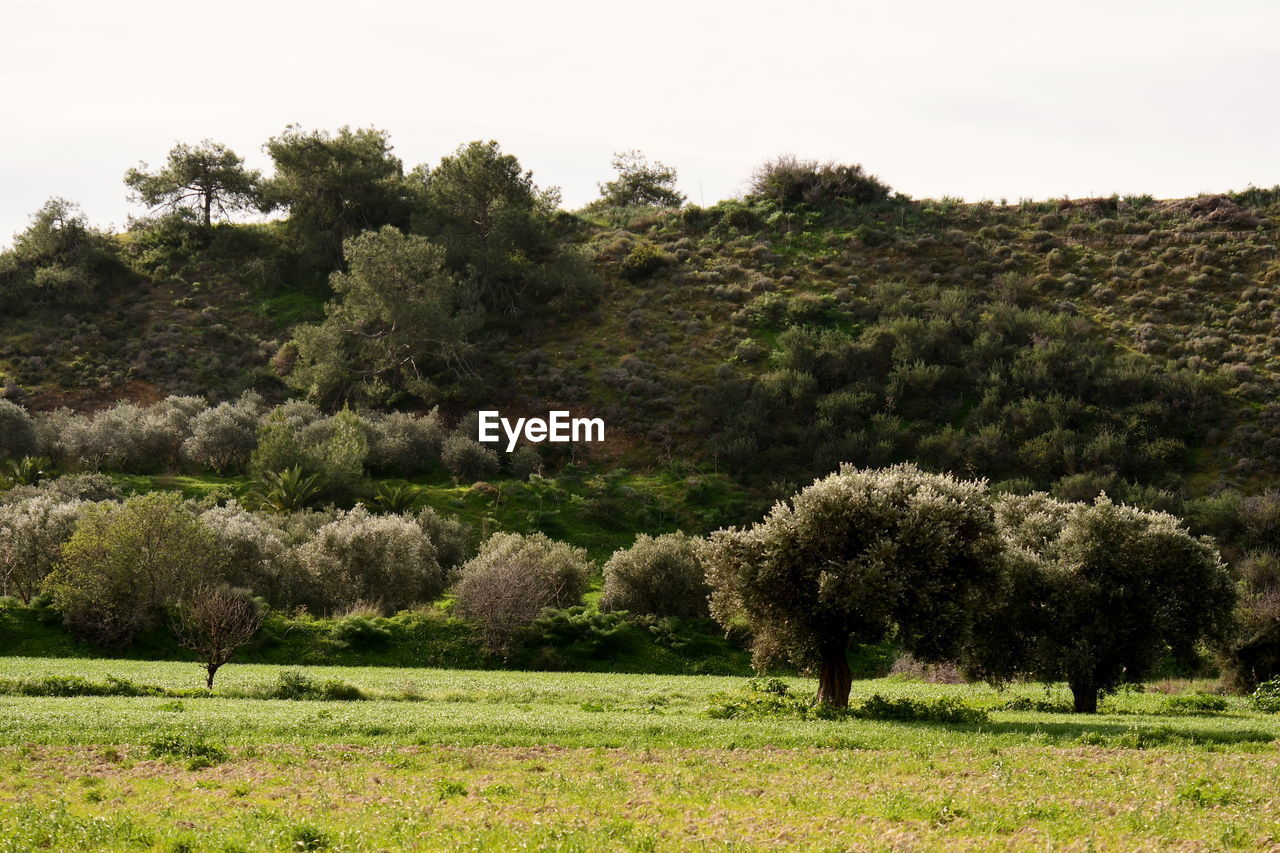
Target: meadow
{"type": "Point", "coordinates": [452, 759]}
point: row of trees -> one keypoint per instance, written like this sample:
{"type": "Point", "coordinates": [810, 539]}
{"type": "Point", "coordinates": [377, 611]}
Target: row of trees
{"type": "Point", "coordinates": [247, 435]}
{"type": "Point", "coordinates": [1009, 586]}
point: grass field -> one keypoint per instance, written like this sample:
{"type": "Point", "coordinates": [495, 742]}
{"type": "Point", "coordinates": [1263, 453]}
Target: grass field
{"type": "Point", "coordinates": [507, 760]}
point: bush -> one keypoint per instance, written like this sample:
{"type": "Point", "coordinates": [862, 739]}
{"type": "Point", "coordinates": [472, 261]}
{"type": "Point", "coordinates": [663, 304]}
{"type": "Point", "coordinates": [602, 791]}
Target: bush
{"type": "Point", "coordinates": [642, 261]}
{"type": "Point", "coordinates": [585, 632]}
{"type": "Point", "coordinates": [17, 432]}
{"type": "Point", "coordinates": [789, 181]}
{"type": "Point", "coordinates": [125, 562]}
{"type": "Point", "coordinates": [254, 554]}
{"type": "Point", "coordinates": [224, 437]}
{"type": "Point", "coordinates": [450, 536]}
{"type": "Point", "coordinates": [403, 443]}
{"type": "Point", "coordinates": [189, 745]}
{"type": "Point", "coordinates": [361, 633]}
{"type": "Point", "coordinates": [295, 684]}
{"type": "Point", "coordinates": [771, 697]}
{"type": "Point", "coordinates": [467, 459]}
{"type": "Point", "coordinates": [364, 557]}
{"type": "Point", "coordinates": [659, 576]}
{"type": "Point", "coordinates": [1195, 703]}
{"type": "Point", "coordinates": [1266, 697]}
{"type": "Point", "coordinates": [32, 533]}
{"type": "Point", "coordinates": [506, 585]}
{"type": "Point", "coordinates": [74, 685]}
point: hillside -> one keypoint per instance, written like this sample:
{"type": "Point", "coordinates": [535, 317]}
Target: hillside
{"type": "Point", "coordinates": [773, 342]}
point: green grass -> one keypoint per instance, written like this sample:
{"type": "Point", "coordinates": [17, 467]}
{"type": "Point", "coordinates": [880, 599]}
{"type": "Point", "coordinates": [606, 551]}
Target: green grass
{"type": "Point", "coordinates": [575, 761]}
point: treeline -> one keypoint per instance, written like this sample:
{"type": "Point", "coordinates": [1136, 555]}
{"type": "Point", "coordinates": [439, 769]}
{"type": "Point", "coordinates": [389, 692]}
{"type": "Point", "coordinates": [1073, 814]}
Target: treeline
{"type": "Point", "coordinates": [1009, 586]}
{"type": "Point", "coordinates": [326, 457]}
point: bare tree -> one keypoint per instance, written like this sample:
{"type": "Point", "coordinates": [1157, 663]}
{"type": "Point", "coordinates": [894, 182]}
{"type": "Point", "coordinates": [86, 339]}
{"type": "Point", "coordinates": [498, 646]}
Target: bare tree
{"type": "Point", "coordinates": [215, 621]}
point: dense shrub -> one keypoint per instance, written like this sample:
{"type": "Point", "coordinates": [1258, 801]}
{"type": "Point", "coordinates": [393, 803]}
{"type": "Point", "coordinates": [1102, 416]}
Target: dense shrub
{"type": "Point", "coordinates": [32, 533]}
{"type": "Point", "coordinates": [505, 586]}
{"type": "Point", "coordinates": [659, 576]}
{"type": "Point", "coordinates": [451, 537]}
{"type": "Point", "coordinates": [224, 437]}
{"type": "Point", "coordinates": [404, 443]}
{"type": "Point", "coordinates": [788, 181]}
{"type": "Point", "coordinates": [17, 432]}
{"type": "Point", "coordinates": [254, 554]}
{"type": "Point", "coordinates": [1266, 697]}
{"type": "Point", "coordinates": [58, 260]}
{"type": "Point", "coordinates": [387, 559]}
{"type": "Point", "coordinates": [125, 562]}
{"type": "Point", "coordinates": [467, 459]}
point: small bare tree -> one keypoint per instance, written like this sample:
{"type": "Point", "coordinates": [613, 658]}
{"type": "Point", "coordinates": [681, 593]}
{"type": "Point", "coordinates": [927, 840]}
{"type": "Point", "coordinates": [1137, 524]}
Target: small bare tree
{"type": "Point", "coordinates": [214, 621]}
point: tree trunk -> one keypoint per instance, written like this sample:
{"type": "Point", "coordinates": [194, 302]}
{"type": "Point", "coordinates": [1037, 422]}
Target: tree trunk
{"type": "Point", "coordinates": [1084, 697]}
{"type": "Point", "coordinates": [213, 668]}
{"type": "Point", "coordinates": [834, 677]}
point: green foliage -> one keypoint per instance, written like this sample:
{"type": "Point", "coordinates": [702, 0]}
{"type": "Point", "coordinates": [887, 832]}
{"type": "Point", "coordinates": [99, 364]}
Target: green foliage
{"type": "Point", "coordinates": [71, 685]}
{"type": "Point", "coordinates": [853, 557]}
{"type": "Point", "coordinates": [642, 261]}
{"type": "Point", "coordinates": [576, 633]}
{"type": "Point", "coordinates": [640, 183]}
{"type": "Point", "coordinates": [25, 471]}
{"type": "Point", "coordinates": [1097, 595]}
{"type": "Point", "coordinates": [789, 181]}
{"type": "Point", "coordinates": [399, 322]}
{"type": "Point", "coordinates": [17, 433]}
{"type": "Point", "coordinates": [207, 178]}
{"type": "Point", "coordinates": [658, 576]}
{"type": "Point", "coordinates": [335, 186]}
{"type": "Point", "coordinates": [399, 498]}
{"type": "Point", "coordinates": [362, 633]}
{"type": "Point", "coordinates": [1266, 697]}
{"type": "Point", "coordinates": [296, 684]}
{"type": "Point", "coordinates": [125, 562]}
{"type": "Point", "coordinates": [1195, 703]}
{"type": "Point", "coordinates": [285, 491]}
{"type": "Point", "coordinates": [58, 260]}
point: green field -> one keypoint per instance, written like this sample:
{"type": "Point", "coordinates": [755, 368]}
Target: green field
{"type": "Point", "coordinates": [440, 759]}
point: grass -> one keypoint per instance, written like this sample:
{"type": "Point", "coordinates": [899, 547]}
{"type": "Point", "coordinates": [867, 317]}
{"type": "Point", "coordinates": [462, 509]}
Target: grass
{"type": "Point", "coordinates": [454, 759]}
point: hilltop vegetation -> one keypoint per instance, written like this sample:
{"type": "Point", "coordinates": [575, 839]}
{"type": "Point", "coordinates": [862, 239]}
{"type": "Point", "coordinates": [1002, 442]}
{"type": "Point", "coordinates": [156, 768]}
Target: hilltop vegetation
{"type": "Point", "coordinates": [333, 355]}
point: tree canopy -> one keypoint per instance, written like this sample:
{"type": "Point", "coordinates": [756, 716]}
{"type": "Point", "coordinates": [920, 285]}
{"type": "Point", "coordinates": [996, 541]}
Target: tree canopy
{"type": "Point", "coordinates": [207, 178]}
{"type": "Point", "coordinates": [858, 556]}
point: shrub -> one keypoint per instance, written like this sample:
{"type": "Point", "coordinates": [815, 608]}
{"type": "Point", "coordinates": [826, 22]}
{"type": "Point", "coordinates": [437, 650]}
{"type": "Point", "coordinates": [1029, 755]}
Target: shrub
{"type": "Point", "coordinates": [224, 437]}
{"type": "Point", "coordinates": [467, 459]}
{"type": "Point", "coordinates": [295, 684]}
{"type": "Point", "coordinates": [125, 562]}
{"type": "Point", "coordinates": [642, 261]}
{"type": "Point", "coordinates": [506, 585]}
{"type": "Point", "coordinates": [1266, 697]}
{"type": "Point", "coordinates": [788, 181]}
{"type": "Point", "coordinates": [17, 432]}
{"type": "Point", "coordinates": [361, 633]}
{"type": "Point", "coordinates": [188, 745]}
{"type": "Point", "coordinates": [32, 533]}
{"type": "Point", "coordinates": [364, 557]}
{"type": "Point", "coordinates": [660, 576]}
{"type": "Point", "coordinates": [1195, 703]}
{"type": "Point", "coordinates": [254, 553]}
{"type": "Point", "coordinates": [587, 632]}
{"type": "Point", "coordinates": [450, 536]}
{"type": "Point", "coordinates": [403, 443]}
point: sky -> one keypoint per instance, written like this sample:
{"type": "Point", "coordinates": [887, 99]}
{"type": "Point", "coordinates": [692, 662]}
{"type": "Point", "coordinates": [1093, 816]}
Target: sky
{"type": "Point", "coordinates": [983, 99]}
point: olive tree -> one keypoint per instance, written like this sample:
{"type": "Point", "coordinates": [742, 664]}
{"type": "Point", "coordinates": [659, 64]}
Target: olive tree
{"type": "Point", "coordinates": [658, 575]}
{"type": "Point", "coordinates": [224, 437]}
{"type": "Point", "coordinates": [641, 183]}
{"type": "Point", "coordinates": [858, 556]}
{"type": "Point", "coordinates": [1097, 595]}
{"type": "Point", "coordinates": [17, 431]}
{"type": "Point", "coordinates": [125, 562]}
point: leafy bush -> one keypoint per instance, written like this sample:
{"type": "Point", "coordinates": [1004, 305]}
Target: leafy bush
{"type": "Point", "coordinates": [32, 533]}
{"type": "Point", "coordinates": [254, 554]}
{"type": "Point", "coordinates": [1195, 703]}
{"type": "Point", "coordinates": [660, 576]}
{"type": "Point", "coordinates": [188, 745]}
{"type": "Point", "coordinates": [224, 437]}
{"type": "Point", "coordinates": [296, 684]}
{"type": "Point", "coordinates": [73, 685]}
{"type": "Point", "coordinates": [582, 631]}
{"type": "Point", "coordinates": [1266, 697]}
{"type": "Point", "coordinates": [770, 697]}
{"type": "Point", "coordinates": [362, 557]}
{"type": "Point", "coordinates": [642, 261]}
{"type": "Point", "coordinates": [467, 459]}
{"type": "Point", "coordinates": [451, 537]}
{"type": "Point", "coordinates": [788, 181]}
{"type": "Point", "coordinates": [17, 432]}
{"type": "Point", "coordinates": [505, 586]}
{"type": "Point", "coordinates": [403, 443]}
{"type": "Point", "coordinates": [361, 633]}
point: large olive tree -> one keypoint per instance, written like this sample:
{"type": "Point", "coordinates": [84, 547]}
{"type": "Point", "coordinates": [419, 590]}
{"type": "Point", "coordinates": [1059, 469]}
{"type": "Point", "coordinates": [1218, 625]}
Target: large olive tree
{"type": "Point", "coordinates": [855, 557]}
{"type": "Point", "coordinates": [1097, 595]}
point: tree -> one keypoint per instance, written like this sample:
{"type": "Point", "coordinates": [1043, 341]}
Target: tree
{"type": "Point", "coordinates": [208, 178]}
{"type": "Point", "coordinates": [788, 181]}
{"type": "Point", "coordinates": [59, 259]}
{"type": "Point", "coordinates": [659, 575]}
{"type": "Point", "coordinates": [1096, 595]}
{"type": "Point", "coordinates": [223, 437]}
{"type": "Point", "coordinates": [17, 432]}
{"type": "Point", "coordinates": [214, 621]}
{"type": "Point", "coordinates": [125, 562]}
{"type": "Point", "coordinates": [641, 183]}
{"type": "Point", "coordinates": [335, 186]}
{"type": "Point", "coordinates": [859, 556]}
{"type": "Point", "coordinates": [398, 320]}
{"type": "Point", "coordinates": [497, 228]}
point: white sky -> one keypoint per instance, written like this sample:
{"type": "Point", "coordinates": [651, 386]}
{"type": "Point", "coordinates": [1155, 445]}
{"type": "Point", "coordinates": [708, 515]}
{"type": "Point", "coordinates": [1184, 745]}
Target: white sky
{"type": "Point", "coordinates": [980, 99]}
